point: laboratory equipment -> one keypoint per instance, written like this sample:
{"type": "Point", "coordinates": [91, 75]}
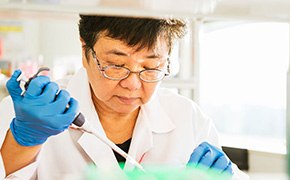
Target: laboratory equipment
{"type": "Point", "coordinates": [82, 124]}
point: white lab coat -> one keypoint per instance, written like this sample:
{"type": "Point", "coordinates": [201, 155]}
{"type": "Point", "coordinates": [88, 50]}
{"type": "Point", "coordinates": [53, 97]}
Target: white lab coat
{"type": "Point", "coordinates": [169, 127]}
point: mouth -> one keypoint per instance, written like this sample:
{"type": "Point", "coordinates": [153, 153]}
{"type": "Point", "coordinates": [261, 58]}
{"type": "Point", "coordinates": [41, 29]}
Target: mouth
{"type": "Point", "coordinates": [127, 100]}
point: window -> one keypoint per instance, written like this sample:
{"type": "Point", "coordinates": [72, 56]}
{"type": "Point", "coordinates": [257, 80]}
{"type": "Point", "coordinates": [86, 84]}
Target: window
{"type": "Point", "coordinates": [243, 79]}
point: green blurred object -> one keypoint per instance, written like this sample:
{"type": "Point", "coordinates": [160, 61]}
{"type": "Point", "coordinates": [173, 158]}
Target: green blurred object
{"type": "Point", "coordinates": [157, 173]}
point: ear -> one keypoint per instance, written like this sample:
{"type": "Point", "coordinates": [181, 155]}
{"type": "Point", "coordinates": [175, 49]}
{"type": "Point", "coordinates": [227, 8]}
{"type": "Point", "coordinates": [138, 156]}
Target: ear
{"type": "Point", "coordinates": [84, 59]}
{"type": "Point", "coordinates": [83, 43]}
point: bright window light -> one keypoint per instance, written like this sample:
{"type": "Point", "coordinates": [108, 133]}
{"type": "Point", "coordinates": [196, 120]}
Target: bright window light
{"type": "Point", "coordinates": [243, 78]}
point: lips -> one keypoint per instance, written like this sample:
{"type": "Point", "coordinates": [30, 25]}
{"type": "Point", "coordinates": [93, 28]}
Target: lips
{"type": "Point", "coordinates": [127, 100]}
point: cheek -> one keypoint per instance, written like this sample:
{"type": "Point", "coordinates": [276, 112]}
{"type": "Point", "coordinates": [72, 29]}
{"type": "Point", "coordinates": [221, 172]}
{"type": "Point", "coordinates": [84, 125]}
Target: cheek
{"type": "Point", "coordinates": [103, 90]}
{"type": "Point", "coordinates": [149, 90]}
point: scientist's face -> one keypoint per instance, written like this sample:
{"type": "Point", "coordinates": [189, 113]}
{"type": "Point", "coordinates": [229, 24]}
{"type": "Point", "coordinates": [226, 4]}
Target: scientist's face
{"type": "Point", "coordinates": [127, 95]}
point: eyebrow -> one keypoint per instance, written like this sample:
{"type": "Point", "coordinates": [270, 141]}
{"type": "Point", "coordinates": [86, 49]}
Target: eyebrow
{"type": "Point", "coordinates": [153, 56]}
{"type": "Point", "coordinates": [120, 53]}
{"type": "Point", "coordinates": [117, 52]}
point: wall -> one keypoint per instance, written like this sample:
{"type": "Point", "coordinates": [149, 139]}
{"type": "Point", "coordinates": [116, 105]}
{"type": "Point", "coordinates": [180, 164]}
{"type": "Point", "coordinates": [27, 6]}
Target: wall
{"type": "Point", "coordinates": [263, 162]}
{"type": "Point", "coordinates": [59, 39]}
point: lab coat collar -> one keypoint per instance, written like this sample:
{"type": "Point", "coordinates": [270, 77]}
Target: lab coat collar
{"type": "Point", "coordinates": [151, 119]}
{"type": "Point", "coordinates": [156, 116]}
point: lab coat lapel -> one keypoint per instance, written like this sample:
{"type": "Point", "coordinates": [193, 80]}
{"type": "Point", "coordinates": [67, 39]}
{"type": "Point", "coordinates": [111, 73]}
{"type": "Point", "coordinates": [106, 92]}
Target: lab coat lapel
{"type": "Point", "coordinates": [100, 154]}
{"type": "Point", "coordinates": [151, 120]}
{"type": "Point", "coordinates": [157, 117]}
{"type": "Point", "coordinates": [142, 140]}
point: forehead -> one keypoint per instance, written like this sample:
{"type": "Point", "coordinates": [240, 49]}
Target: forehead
{"type": "Point", "coordinates": [105, 43]}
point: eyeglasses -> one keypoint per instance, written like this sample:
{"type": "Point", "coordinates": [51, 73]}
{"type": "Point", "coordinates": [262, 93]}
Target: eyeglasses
{"type": "Point", "coordinates": [117, 73]}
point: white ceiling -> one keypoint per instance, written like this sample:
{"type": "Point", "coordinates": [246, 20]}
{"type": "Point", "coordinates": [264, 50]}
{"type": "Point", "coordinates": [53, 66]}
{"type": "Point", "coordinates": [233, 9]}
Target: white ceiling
{"type": "Point", "coordinates": [256, 9]}
{"type": "Point", "coordinates": [277, 10]}
{"type": "Point", "coordinates": [244, 9]}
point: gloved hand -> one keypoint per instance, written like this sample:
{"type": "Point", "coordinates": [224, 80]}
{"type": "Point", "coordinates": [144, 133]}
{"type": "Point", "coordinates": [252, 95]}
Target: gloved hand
{"type": "Point", "coordinates": [39, 114]}
{"type": "Point", "coordinates": [210, 157]}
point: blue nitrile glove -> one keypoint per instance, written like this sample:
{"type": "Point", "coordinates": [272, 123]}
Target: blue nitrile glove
{"type": "Point", "coordinates": [39, 114]}
{"type": "Point", "coordinates": [211, 157]}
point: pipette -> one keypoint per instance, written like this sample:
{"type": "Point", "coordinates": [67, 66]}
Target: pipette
{"type": "Point", "coordinates": [82, 124]}
{"type": "Point", "coordinates": [22, 78]}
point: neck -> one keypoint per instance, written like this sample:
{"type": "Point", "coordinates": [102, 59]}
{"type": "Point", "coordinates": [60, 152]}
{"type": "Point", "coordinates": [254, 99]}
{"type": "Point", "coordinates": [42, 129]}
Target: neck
{"type": "Point", "coordinates": [117, 126]}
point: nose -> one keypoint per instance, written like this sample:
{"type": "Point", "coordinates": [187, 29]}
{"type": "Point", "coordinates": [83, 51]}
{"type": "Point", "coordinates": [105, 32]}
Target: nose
{"type": "Point", "coordinates": [132, 82]}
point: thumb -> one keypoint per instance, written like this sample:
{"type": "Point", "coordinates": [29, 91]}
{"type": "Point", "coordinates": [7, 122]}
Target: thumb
{"type": "Point", "coordinates": [13, 85]}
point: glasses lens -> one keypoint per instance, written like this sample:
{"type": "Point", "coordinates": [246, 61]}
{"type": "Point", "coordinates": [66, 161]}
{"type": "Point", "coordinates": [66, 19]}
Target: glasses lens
{"type": "Point", "coordinates": [152, 75]}
{"type": "Point", "coordinates": [116, 72]}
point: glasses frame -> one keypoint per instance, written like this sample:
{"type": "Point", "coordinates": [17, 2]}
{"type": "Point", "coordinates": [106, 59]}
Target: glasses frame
{"type": "Point", "coordinates": [103, 68]}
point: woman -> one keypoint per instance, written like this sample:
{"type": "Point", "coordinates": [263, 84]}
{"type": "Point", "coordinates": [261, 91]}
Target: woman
{"type": "Point", "coordinates": [124, 61]}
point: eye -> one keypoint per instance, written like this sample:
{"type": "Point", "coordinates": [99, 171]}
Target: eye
{"type": "Point", "coordinates": [154, 66]}
{"type": "Point", "coordinates": [151, 68]}
{"type": "Point", "coordinates": [114, 64]}
{"type": "Point", "coordinates": [118, 65]}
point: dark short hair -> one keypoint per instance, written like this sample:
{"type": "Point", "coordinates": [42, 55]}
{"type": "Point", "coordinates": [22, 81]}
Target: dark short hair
{"type": "Point", "coordinates": [140, 32]}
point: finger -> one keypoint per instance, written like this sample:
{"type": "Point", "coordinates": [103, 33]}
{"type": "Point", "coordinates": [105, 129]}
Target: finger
{"type": "Point", "coordinates": [73, 107]}
{"type": "Point", "coordinates": [61, 102]}
{"type": "Point", "coordinates": [208, 159]}
{"type": "Point", "coordinates": [197, 154]}
{"type": "Point", "coordinates": [221, 163]}
{"type": "Point", "coordinates": [49, 93]}
{"type": "Point", "coordinates": [13, 86]}
{"type": "Point", "coordinates": [211, 156]}
{"type": "Point", "coordinates": [36, 86]}
{"type": "Point", "coordinates": [229, 169]}
{"type": "Point", "coordinates": [58, 106]}
{"type": "Point", "coordinates": [71, 112]}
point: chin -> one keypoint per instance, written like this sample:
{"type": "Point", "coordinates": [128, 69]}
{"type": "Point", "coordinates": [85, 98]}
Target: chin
{"type": "Point", "coordinates": [126, 109]}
